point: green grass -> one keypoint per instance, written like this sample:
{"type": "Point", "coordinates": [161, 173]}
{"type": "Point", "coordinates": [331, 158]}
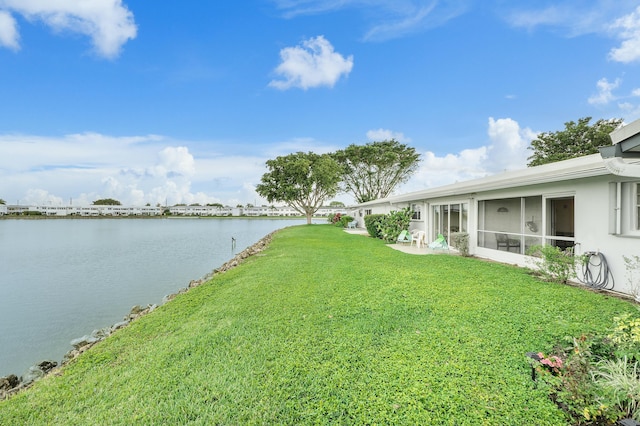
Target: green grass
{"type": "Point", "coordinates": [324, 327]}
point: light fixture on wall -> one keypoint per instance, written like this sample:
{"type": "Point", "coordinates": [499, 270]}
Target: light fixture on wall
{"type": "Point", "coordinates": [503, 210]}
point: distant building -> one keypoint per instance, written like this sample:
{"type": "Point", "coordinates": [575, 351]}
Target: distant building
{"type": "Point", "coordinates": [116, 210]}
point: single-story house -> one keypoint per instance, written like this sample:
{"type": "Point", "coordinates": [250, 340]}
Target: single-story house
{"type": "Point", "coordinates": [591, 203]}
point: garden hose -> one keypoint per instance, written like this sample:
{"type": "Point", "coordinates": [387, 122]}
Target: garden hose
{"type": "Point", "coordinates": [596, 272]}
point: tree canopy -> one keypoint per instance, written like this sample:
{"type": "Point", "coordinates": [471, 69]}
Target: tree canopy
{"type": "Point", "coordinates": [2, 201]}
{"type": "Point", "coordinates": [107, 202]}
{"type": "Point", "coordinates": [303, 180]}
{"type": "Point", "coordinates": [374, 170]}
{"type": "Point", "coordinates": [576, 140]}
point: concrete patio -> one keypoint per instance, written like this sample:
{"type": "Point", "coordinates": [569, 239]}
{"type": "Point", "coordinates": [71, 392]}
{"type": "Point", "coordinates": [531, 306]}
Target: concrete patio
{"type": "Point", "coordinates": [405, 248]}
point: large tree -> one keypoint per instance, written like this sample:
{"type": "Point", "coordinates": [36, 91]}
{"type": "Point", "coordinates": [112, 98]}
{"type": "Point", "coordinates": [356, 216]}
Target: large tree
{"type": "Point", "coordinates": [107, 202]}
{"type": "Point", "coordinates": [373, 170]}
{"type": "Point", "coordinates": [576, 140]}
{"type": "Point", "coordinates": [303, 180]}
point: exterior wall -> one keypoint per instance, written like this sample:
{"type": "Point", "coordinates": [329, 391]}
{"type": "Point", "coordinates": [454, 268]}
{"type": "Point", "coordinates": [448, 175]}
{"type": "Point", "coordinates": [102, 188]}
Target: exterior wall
{"type": "Point", "coordinates": [592, 213]}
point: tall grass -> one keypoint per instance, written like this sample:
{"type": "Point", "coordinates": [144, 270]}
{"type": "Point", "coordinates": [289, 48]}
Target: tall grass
{"type": "Point", "coordinates": [324, 327]}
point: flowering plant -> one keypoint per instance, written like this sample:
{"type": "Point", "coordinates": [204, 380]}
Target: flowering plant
{"type": "Point", "coordinates": [553, 363]}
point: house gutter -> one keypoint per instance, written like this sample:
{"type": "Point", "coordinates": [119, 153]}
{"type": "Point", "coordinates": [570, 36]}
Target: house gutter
{"type": "Point", "coordinates": [619, 167]}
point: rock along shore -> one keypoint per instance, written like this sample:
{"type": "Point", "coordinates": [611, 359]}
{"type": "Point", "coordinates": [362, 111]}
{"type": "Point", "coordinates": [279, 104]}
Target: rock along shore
{"type": "Point", "coordinates": [12, 384]}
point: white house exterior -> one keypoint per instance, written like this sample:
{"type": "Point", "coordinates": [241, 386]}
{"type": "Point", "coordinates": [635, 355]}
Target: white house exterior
{"type": "Point", "coordinates": [3, 209]}
{"type": "Point", "coordinates": [591, 203]}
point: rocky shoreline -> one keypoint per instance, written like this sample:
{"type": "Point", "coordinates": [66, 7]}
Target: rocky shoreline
{"type": "Point", "coordinates": [12, 384]}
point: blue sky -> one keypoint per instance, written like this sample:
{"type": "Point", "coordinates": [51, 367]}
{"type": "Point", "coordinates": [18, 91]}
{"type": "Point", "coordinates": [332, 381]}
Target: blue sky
{"type": "Point", "coordinates": [183, 102]}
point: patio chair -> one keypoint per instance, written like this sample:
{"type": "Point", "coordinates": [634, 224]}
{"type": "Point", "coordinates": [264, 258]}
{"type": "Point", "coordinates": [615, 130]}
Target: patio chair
{"type": "Point", "coordinates": [353, 224]}
{"type": "Point", "coordinates": [503, 241]}
{"type": "Point", "coordinates": [418, 237]}
{"type": "Point", "coordinates": [404, 237]}
{"type": "Point", "coordinates": [439, 243]}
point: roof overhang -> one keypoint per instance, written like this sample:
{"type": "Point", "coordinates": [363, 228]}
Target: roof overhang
{"type": "Point", "coordinates": [626, 142]}
{"type": "Point", "coordinates": [575, 168]}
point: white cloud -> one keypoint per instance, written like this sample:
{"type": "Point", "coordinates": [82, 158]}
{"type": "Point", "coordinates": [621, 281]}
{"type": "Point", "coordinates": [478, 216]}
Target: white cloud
{"type": "Point", "coordinates": [9, 31]}
{"type": "Point", "coordinates": [312, 64]}
{"type": "Point", "coordinates": [628, 29]}
{"type": "Point", "coordinates": [589, 17]}
{"type": "Point", "coordinates": [153, 169]}
{"type": "Point", "coordinates": [108, 23]}
{"type": "Point", "coordinates": [576, 17]}
{"type": "Point", "coordinates": [384, 134]}
{"type": "Point", "coordinates": [175, 161]}
{"type": "Point", "coordinates": [40, 197]}
{"type": "Point", "coordinates": [625, 102]}
{"type": "Point", "coordinates": [386, 19]}
{"type": "Point", "coordinates": [507, 150]}
{"type": "Point", "coordinates": [604, 95]}
{"type": "Point", "coordinates": [135, 170]}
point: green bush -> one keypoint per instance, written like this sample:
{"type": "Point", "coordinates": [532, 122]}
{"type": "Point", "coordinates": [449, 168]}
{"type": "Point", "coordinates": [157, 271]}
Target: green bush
{"type": "Point", "coordinates": [554, 264]}
{"type": "Point", "coordinates": [335, 218]}
{"type": "Point", "coordinates": [394, 223]}
{"type": "Point", "coordinates": [344, 221]}
{"type": "Point", "coordinates": [460, 240]}
{"type": "Point", "coordinates": [371, 222]}
{"type": "Point", "coordinates": [595, 379]}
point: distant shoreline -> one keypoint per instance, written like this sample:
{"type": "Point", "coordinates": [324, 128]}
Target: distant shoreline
{"type": "Point", "coordinates": [44, 217]}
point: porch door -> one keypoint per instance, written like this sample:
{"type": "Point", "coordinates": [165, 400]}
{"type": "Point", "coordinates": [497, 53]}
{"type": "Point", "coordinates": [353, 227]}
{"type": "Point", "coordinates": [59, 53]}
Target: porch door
{"type": "Point", "coordinates": [449, 218]}
{"type": "Point", "coordinates": [560, 222]}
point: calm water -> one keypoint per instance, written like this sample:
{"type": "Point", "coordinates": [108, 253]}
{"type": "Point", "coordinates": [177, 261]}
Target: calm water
{"type": "Point", "coordinates": [62, 279]}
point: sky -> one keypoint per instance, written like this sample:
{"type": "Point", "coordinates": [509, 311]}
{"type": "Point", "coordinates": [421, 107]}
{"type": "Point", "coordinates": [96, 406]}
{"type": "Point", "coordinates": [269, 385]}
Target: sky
{"type": "Point", "coordinates": [184, 101]}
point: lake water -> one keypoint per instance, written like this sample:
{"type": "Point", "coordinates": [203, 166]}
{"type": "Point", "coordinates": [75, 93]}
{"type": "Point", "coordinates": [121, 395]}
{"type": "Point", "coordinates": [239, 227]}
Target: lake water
{"type": "Point", "coordinates": [61, 279]}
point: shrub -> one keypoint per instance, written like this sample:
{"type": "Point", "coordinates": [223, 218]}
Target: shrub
{"type": "Point", "coordinates": [626, 337]}
{"type": "Point", "coordinates": [371, 222]}
{"type": "Point", "coordinates": [569, 377]}
{"type": "Point", "coordinates": [595, 380]}
{"type": "Point", "coordinates": [460, 240]}
{"type": "Point", "coordinates": [394, 223]}
{"type": "Point", "coordinates": [619, 378]}
{"type": "Point", "coordinates": [344, 221]}
{"type": "Point", "coordinates": [554, 264]}
{"type": "Point", "coordinates": [335, 218]}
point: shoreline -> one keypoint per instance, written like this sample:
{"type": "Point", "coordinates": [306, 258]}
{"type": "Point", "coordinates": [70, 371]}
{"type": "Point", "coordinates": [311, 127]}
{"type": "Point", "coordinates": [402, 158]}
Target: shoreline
{"type": "Point", "coordinates": [43, 217]}
{"type": "Point", "coordinates": [13, 384]}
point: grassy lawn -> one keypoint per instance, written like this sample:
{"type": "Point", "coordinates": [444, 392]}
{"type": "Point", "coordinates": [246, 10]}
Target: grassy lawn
{"type": "Point", "coordinates": [326, 327]}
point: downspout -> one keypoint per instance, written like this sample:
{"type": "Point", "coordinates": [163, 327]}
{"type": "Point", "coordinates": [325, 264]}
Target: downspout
{"type": "Point", "coordinates": [618, 166]}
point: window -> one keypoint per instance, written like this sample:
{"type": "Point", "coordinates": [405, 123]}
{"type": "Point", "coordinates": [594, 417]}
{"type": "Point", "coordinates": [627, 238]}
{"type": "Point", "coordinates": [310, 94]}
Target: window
{"type": "Point", "coordinates": [449, 218]}
{"type": "Point", "coordinates": [367, 212]}
{"type": "Point", "coordinates": [415, 208]}
{"type": "Point", "coordinates": [510, 224]}
{"type": "Point", "coordinates": [624, 208]}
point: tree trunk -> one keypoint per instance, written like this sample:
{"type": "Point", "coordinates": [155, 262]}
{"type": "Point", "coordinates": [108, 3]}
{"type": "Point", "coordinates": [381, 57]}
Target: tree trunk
{"type": "Point", "coordinates": [309, 216]}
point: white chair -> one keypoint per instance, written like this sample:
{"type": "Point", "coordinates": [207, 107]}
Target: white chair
{"type": "Point", "coordinates": [418, 238]}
